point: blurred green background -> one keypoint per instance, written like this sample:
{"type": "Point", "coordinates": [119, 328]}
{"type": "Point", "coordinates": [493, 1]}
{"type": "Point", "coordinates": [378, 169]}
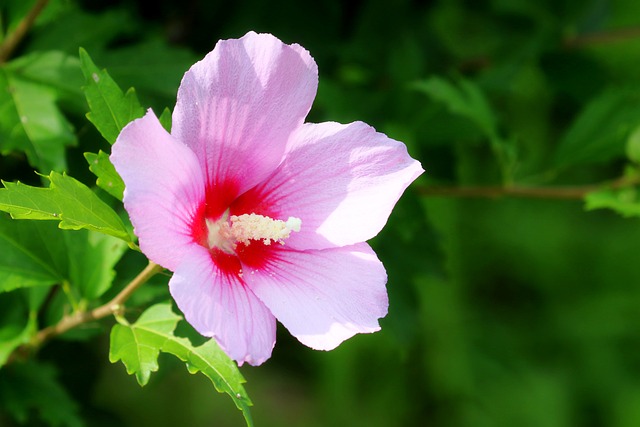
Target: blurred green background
{"type": "Point", "coordinates": [504, 311]}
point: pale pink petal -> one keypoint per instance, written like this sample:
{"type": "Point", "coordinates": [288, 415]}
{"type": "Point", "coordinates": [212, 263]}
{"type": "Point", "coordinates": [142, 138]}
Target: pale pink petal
{"type": "Point", "coordinates": [237, 107]}
{"type": "Point", "coordinates": [164, 187]}
{"type": "Point", "coordinates": [219, 305]}
{"type": "Point", "coordinates": [342, 181]}
{"type": "Point", "coordinates": [325, 296]}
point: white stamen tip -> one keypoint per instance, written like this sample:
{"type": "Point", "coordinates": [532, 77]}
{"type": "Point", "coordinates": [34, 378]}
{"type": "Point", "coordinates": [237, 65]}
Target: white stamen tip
{"type": "Point", "coordinates": [293, 223]}
{"type": "Point", "coordinates": [227, 232]}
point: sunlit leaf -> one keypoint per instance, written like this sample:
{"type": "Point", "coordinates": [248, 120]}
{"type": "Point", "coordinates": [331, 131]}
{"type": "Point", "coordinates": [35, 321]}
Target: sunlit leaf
{"type": "Point", "coordinates": [66, 200]}
{"type": "Point", "coordinates": [139, 344]}
{"type": "Point", "coordinates": [108, 179]}
{"type": "Point", "coordinates": [111, 109]}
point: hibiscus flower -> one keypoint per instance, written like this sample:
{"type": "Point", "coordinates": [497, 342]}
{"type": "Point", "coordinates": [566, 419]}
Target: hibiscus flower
{"type": "Point", "coordinates": [259, 215]}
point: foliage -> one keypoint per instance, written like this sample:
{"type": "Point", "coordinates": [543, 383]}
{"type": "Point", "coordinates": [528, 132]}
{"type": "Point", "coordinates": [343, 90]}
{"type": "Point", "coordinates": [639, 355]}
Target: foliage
{"type": "Point", "coordinates": [139, 344]}
{"type": "Point", "coordinates": [110, 109]}
{"type": "Point", "coordinates": [66, 200]}
{"type": "Point", "coordinates": [513, 288]}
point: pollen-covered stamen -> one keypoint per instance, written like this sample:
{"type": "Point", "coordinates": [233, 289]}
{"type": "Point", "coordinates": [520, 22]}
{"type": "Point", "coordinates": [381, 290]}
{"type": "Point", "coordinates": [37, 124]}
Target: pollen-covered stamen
{"type": "Point", "coordinates": [247, 227]}
{"type": "Point", "coordinates": [227, 232]}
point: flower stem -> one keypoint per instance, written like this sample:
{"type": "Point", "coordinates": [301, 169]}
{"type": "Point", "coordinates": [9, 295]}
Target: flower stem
{"type": "Point", "coordinates": [112, 307]}
{"type": "Point", "coordinates": [13, 39]}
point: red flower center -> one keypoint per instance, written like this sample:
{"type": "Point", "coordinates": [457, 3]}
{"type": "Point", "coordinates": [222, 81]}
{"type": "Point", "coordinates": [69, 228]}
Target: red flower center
{"type": "Point", "coordinates": [234, 240]}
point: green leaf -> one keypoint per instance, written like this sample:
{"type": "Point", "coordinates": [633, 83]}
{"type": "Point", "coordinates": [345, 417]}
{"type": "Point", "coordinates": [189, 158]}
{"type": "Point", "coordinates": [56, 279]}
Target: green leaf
{"type": "Point", "coordinates": [19, 319]}
{"type": "Point", "coordinates": [31, 122]}
{"type": "Point", "coordinates": [165, 119]}
{"type": "Point", "coordinates": [17, 324]}
{"type": "Point", "coordinates": [66, 200]}
{"type": "Point", "coordinates": [32, 254]}
{"type": "Point", "coordinates": [625, 201]}
{"type": "Point", "coordinates": [111, 109]}
{"type": "Point", "coordinates": [92, 257]}
{"type": "Point", "coordinates": [108, 179]}
{"type": "Point", "coordinates": [215, 365]}
{"type": "Point", "coordinates": [56, 70]}
{"type": "Point", "coordinates": [29, 388]}
{"type": "Point", "coordinates": [465, 100]}
{"type": "Point", "coordinates": [13, 336]}
{"type": "Point", "coordinates": [600, 131]}
{"type": "Point", "coordinates": [37, 253]}
{"type": "Point", "coordinates": [139, 344]}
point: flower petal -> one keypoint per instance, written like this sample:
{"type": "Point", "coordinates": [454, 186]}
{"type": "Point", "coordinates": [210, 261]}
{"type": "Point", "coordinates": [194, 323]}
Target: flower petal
{"type": "Point", "coordinates": [237, 107]}
{"type": "Point", "coordinates": [164, 187]}
{"type": "Point", "coordinates": [342, 181]}
{"type": "Point", "coordinates": [323, 297]}
{"type": "Point", "coordinates": [219, 305]}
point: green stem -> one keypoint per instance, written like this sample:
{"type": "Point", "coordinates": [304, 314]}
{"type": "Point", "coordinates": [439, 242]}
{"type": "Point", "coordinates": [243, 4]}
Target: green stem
{"type": "Point", "coordinates": [13, 40]}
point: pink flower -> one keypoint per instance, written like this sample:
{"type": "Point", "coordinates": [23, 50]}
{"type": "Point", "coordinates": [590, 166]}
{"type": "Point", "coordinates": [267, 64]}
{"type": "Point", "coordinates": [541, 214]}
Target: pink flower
{"type": "Point", "coordinates": [258, 214]}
